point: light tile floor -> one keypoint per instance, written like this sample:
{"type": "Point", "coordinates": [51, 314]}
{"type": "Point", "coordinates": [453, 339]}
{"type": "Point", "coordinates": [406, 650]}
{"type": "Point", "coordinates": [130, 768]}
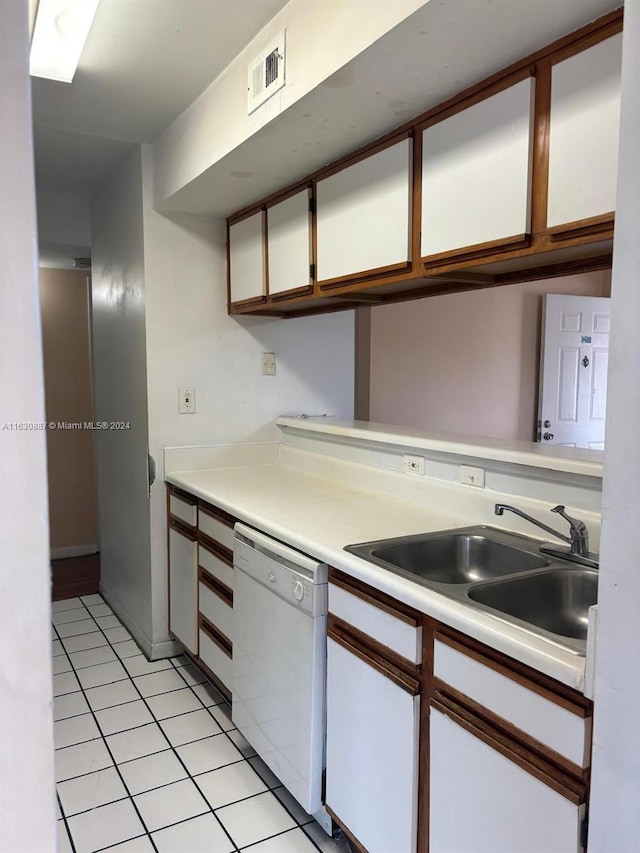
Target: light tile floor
{"type": "Point", "coordinates": [147, 757]}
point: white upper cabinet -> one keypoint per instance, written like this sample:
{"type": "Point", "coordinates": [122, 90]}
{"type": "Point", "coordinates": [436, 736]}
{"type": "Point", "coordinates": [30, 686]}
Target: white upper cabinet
{"type": "Point", "coordinates": [583, 142]}
{"type": "Point", "coordinates": [476, 173]}
{"type": "Point", "coordinates": [289, 243]}
{"type": "Point", "coordinates": [246, 259]}
{"type": "Point", "coordinates": [363, 214]}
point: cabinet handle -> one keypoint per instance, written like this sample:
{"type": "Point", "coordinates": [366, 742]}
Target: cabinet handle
{"type": "Point", "coordinates": [401, 679]}
{"type": "Point", "coordinates": [178, 526]}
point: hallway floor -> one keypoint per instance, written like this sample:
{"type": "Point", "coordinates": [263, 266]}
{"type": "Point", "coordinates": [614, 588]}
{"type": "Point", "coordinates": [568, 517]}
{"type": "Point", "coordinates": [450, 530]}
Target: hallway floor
{"type": "Point", "coordinates": [147, 758]}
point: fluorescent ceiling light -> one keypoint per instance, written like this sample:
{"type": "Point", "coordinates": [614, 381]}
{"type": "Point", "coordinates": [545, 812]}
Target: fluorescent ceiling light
{"type": "Point", "coordinates": [61, 29]}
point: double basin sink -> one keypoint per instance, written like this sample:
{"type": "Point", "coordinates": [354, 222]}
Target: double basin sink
{"type": "Point", "coordinates": [499, 573]}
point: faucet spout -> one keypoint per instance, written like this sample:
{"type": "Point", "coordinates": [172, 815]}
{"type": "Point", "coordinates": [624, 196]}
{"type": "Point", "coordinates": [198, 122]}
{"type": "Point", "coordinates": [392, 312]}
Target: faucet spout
{"type": "Point", "coordinates": [500, 509]}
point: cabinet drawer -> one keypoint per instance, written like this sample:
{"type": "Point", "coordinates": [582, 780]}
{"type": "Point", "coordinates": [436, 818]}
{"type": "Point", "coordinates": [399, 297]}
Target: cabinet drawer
{"type": "Point", "coordinates": [215, 526]}
{"type": "Point", "coordinates": [526, 706]}
{"type": "Point", "coordinates": [213, 656]}
{"type": "Point", "coordinates": [183, 509]}
{"type": "Point", "coordinates": [218, 611]}
{"type": "Point", "coordinates": [215, 565]}
{"type": "Point", "coordinates": [401, 636]}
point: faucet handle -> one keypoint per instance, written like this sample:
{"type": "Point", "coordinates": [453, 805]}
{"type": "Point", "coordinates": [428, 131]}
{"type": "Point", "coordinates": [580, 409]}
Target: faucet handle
{"type": "Point", "coordinates": [579, 532]}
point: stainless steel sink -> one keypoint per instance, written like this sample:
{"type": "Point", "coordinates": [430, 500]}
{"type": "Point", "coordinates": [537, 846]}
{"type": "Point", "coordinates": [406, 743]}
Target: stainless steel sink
{"type": "Point", "coordinates": [557, 600]}
{"type": "Point", "coordinates": [500, 573]}
{"type": "Point", "coordinates": [457, 557]}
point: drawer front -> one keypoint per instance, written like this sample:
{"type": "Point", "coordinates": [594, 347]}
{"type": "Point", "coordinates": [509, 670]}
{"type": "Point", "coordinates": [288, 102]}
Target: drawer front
{"type": "Point", "coordinates": [216, 610]}
{"type": "Point", "coordinates": [216, 529]}
{"type": "Point", "coordinates": [400, 636]}
{"type": "Point", "coordinates": [550, 723]}
{"type": "Point", "coordinates": [215, 658]}
{"type": "Point", "coordinates": [215, 566]}
{"type": "Point", "coordinates": [182, 509]}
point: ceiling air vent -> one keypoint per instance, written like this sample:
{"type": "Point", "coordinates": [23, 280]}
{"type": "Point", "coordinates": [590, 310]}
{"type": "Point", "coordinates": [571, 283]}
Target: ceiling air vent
{"type": "Point", "coordinates": [266, 73]}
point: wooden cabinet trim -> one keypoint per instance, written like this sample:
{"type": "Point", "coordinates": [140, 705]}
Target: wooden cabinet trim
{"type": "Point", "coordinates": [572, 789]}
{"type": "Point", "coordinates": [537, 64]}
{"type": "Point", "coordinates": [601, 226]}
{"type": "Point", "coordinates": [500, 724]}
{"type": "Point", "coordinates": [378, 273]}
{"type": "Point", "coordinates": [533, 680]}
{"type": "Point", "coordinates": [477, 94]}
{"type": "Point", "coordinates": [353, 841]}
{"type": "Point", "coordinates": [182, 495]}
{"type": "Point", "coordinates": [213, 678]}
{"type": "Point", "coordinates": [183, 529]}
{"type": "Point", "coordinates": [480, 250]}
{"type": "Point", "coordinates": [215, 586]}
{"type": "Point", "coordinates": [377, 649]}
{"type": "Point", "coordinates": [218, 550]}
{"type": "Point", "coordinates": [216, 636]}
{"type": "Point", "coordinates": [373, 659]}
{"type": "Point", "coordinates": [375, 597]}
{"type": "Point", "coordinates": [217, 513]}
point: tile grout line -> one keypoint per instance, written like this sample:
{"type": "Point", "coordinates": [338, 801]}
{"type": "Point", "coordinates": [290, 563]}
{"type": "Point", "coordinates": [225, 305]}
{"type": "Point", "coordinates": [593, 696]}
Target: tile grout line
{"type": "Point", "coordinates": [126, 787]}
{"type": "Point", "coordinates": [171, 748]}
{"type": "Point", "coordinates": [177, 756]}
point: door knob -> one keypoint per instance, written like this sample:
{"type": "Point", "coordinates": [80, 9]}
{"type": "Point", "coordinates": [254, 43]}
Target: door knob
{"type": "Point", "coordinates": [548, 436]}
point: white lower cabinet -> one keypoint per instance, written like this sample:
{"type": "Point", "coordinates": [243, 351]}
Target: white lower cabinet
{"type": "Point", "coordinates": [183, 587]}
{"type": "Point", "coordinates": [483, 802]}
{"type": "Point", "coordinates": [372, 753]}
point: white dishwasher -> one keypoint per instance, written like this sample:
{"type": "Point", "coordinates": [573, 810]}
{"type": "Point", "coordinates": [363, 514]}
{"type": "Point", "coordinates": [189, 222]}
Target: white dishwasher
{"type": "Point", "coordinates": [279, 661]}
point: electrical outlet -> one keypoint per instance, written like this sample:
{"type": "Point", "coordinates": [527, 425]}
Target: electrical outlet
{"type": "Point", "coordinates": [471, 476]}
{"type": "Point", "coordinates": [186, 401]}
{"type": "Point", "coordinates": [413, 464]}
{"type": "Point", "coordinates": [269, 363]}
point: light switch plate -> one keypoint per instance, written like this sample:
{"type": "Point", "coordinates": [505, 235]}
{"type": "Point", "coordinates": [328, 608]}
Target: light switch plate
{"type": "Point", "coordinates": [269, 363]}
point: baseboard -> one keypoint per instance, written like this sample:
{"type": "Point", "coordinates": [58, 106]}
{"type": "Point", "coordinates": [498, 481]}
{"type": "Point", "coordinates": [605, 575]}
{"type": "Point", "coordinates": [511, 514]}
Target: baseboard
{"type": "Point", "coordinates": [72, 551]}
{"type": "Point", "coordinates": [153, 651]}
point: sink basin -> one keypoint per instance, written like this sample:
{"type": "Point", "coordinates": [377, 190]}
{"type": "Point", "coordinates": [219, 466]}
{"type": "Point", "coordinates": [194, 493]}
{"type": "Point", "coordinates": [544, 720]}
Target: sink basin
{"type": "Point", "coordinates": [503, 574]}
{"type": "Point", "coordinates": [557, 600]}
{"type": "Point", "coordinates": [455, 557]}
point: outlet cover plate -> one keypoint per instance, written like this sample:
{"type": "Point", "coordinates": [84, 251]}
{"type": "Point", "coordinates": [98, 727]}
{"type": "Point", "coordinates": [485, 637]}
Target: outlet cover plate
{"type": "Point", "coordinates": [470, 476]}
{"type": "Point", "coordinates": [413, 464]}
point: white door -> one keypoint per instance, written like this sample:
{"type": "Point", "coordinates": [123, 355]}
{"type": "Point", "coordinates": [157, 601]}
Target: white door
{"type": "Point", "coordinates": [289, 243]}
{"type": "Point", "coordinates": [246, 258]}
{"type": "Point", "coordinates": [573, 370]}
{"type": "Point", "coordinates": [372, 753]}
{"type": "Point", "coordinates": [482, 802]}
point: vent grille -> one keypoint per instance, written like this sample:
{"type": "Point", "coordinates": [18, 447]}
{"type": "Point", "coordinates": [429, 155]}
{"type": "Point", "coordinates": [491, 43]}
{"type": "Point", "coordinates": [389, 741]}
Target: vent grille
{"type": "Point", "coordinates": [266, 74]}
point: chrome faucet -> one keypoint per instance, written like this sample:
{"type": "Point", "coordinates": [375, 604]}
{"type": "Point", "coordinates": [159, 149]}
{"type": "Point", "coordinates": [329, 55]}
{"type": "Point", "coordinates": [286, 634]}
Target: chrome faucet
{"type": "Point", "coordinates": [578, 537]}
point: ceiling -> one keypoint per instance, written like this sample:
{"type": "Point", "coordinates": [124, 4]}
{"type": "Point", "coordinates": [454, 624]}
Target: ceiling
{"type": "Point", "coordinates": [144, 62]}
{"type": "Point", "coordinates": [439, 50]}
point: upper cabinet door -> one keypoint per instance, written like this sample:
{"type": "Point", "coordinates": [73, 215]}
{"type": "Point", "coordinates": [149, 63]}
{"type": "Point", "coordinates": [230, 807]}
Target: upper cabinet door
{"type": "Point", "coordinates": [476, 174]}
{"type": "Point", "coordinates": [289, 244]}
{"type": "Point", "coordinates": [583, 139]}
{"type": "Point", "coordinates": [246, 259]}
{"type": "Point", "coordinates": [363, 216]}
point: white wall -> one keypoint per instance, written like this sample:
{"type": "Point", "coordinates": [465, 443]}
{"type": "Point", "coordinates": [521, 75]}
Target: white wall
{"type": "Point", "coordinates": [26, 730]}
{"type": "Point", "coordinates": [321, 38]}
{"type": "Point", "coordinates": [191, 341]}
{"type": "Point", "coordinates": [160, 322]}
{"type": "Point", "coordinates": [120, 394]}
{"type": "Point", "coordinates": [615, 792]}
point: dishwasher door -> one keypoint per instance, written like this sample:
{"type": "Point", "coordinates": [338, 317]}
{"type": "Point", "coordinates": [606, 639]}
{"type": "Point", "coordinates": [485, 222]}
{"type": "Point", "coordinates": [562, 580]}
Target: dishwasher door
{"type": "Point", "coordinates": [278, 680]}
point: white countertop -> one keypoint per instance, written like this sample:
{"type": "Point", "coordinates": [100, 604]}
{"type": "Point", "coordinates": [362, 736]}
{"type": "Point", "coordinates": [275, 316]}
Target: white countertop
{"type": "Point", "coordinates": [319, 517]}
